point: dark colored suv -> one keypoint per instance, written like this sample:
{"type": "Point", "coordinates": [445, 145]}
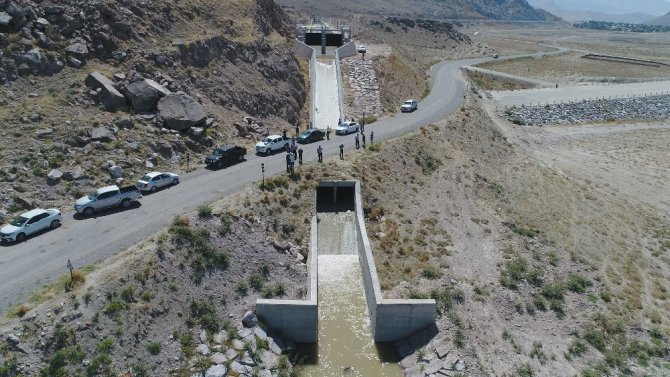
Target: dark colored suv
{"type": "Point", "coordinates": [311, 135]}
{"type": "Point", "coordinates": [225, 155]}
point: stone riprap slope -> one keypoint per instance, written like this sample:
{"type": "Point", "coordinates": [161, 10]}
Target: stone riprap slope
{"type": "Point", "coordinates": [609, 110]}
{"type": "Point", "coordinates": [362, 80]}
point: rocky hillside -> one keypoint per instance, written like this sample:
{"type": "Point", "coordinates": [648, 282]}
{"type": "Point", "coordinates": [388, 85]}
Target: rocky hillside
{"type": "Point", "coordinates": [663, 20]}
{"type": "Point", "coordinates": [134, 85]}
{"type": "Point", "coordinates": [517, 10]}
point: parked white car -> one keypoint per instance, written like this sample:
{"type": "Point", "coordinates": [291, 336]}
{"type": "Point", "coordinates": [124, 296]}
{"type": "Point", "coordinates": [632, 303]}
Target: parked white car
{"type": "Point", "coordinates": [156, 179]}
{"type": "Point", "coordinates": [346, 128]}
{"type": "Point", "coordinates": [361, 49]}
{"type": "Point", "coordinates": [271, 144]}
{"type": "Point", "coordinates": [29, 223]}
{"type": "Point", "coordinates": [409, 106]}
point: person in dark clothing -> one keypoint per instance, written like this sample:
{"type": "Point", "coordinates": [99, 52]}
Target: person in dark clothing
{"type": "Point", "coordinates": [363, 139]}
{"type": "Point", "coordinates": [363, 125]}
{"type": "Point", "coordinates": [319, 153]}
{"type": "Point", "coordinates": [372, 137]}
{"type": "Point", "coordinates": [284, 134]}
{"type": "Point", "coordinates": [328, 133]}
{"type": "Point", "coordinates": [300, 156]}
{"type": "Point", "coordinates": [297, 130]}
{"type": "Point", "coordinates": [341, 151]}
{"type": "Point", "coordinates": [288, 162]}
{"type": "Point", "coordinates": [356, 140]}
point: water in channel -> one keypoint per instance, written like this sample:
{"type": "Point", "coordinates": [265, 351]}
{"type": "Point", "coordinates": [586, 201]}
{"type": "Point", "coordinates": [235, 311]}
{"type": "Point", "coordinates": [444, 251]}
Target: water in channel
{"type": "Point", "coordinates": [327, 99]}
{"type": "Point", "coordinates": [345, 346]}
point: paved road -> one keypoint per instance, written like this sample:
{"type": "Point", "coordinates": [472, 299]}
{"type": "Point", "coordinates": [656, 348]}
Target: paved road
{"type": "Point", "coordinates": [510, 76]}
{"type": "Point", "coordinates": [26, 266]}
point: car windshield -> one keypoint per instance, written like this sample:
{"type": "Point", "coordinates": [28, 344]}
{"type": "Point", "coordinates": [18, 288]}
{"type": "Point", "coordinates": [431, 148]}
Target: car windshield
{"type": "Point", "coordinates": [268, 140]}
{"type": "Point", "coordinates": [218, 152]}
{"type": "Point", "coordinates": [19, 221]}
{"type": "Point", "coordinates": [93, 195]}
{"type": "Point", "coordinates": [408, 103]}
{"type": "Point", "coordinates": [146, 178]}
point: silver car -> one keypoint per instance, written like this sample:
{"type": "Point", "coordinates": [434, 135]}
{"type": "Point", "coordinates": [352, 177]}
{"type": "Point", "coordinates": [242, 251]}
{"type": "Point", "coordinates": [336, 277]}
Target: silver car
{"type": "Point", "coordinates": [29, 223]}
{"type": "Point", "coordinates": [155, 180]}
{"type": "Point", "coordinates": [346, 128]}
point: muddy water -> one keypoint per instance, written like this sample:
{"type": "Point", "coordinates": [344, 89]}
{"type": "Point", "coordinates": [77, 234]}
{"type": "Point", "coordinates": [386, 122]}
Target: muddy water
{"type": "Point", "coordinates": [327, 99]}
{"type": "Point", "coordinates": [345, 346]}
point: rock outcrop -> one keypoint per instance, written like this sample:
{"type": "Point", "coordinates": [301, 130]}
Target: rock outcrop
{"type": "Point", "coordinates": [180, 111]}
{"type": "Point", "coordinates": [109, 96]}
{"type": "Point", "coordinates": [143, 95]}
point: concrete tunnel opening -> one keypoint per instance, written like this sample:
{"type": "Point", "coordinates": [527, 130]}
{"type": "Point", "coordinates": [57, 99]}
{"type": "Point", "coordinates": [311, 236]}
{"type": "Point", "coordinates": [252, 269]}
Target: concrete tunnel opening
{"type": "Point", "coordinates": [334, 196]}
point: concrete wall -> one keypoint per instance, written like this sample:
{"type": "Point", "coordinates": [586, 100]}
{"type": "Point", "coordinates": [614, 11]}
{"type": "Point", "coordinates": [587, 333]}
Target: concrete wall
{"type": "Point", "coordinates": [340, 89]}
{"type": "Point", "coordinates": [297, 320]}
{"type": "Point", "coordinates": [391, 320]}
{"type": "Point", "coordinates": [347, 50]}
{"type": "Point", "coordinates": [302, 50]}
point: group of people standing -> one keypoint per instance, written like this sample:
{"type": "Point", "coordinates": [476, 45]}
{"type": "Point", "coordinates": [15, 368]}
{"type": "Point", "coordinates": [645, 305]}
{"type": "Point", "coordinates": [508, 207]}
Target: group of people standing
{"type": "Point", "coordinates": [294, 153]}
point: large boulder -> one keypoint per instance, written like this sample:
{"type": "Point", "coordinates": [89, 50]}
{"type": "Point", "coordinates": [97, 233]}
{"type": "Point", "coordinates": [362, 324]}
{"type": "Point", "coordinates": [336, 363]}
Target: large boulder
{"type": "Point", "coordinates": [109, 96]}
{"type": "Point", "coordinates": [5, 21]}
{"type": "Point", "coordinates": [144, 94]}
{"type": "Point", "coordinates": [78, 50]}
{"type": "Point", "coordinates": [180, 111]}
{"type": "Point", "coordinates": [101, 134]}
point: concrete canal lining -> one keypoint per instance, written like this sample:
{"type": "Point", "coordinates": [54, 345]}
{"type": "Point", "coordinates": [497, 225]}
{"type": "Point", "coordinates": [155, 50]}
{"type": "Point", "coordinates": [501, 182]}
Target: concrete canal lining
{"type": "Point", "coordinates": [390, 320]}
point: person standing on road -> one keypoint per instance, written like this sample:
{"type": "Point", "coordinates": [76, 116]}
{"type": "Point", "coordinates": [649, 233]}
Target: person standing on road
{"type": "Point", "coordinates": [288, 162]}
{"type": "Point", "coordinates": [372, 137]}
{"type": "Point", "coordinates": [356, 140]}
{"type": "Point", "coordinates": [319, 153]}
{"type": "Point", "coordinates": [363, 139]}
{"type": "Point", "coordinates": [297, 130]}
{"type": "Point", "coordinates": [341, 151]}
{"type": "Point", "coordinates": [363, 124]}
{"type": "Point", "coordinates": [328, 133]}
{"type": "Point", "coordinates": [292, 165]}
{"type": "Point", "coordinates": [300, 156]}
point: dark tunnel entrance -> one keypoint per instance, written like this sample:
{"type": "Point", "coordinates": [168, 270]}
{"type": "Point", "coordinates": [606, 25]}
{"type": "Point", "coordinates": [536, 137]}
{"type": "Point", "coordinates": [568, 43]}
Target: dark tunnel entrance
{"type": "Point", "coordinates": [336, 196]}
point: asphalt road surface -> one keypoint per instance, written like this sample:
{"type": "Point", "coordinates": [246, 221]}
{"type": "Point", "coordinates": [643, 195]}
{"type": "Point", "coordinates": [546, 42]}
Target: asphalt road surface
{"type": "Point", "coordinates": [26, 266]}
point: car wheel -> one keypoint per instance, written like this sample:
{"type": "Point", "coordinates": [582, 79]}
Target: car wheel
{"type": "Point", "coordinates": [125, 203]}
{"type": "Point", "coordinates": [88, 211]}
{"type": "Point", "coordinates": [175, 181]}
{"type": "Point", "coordinates": [20, 237]}
{"type": "Point", "coordinates": [240, 158]}
{"type": "Point", "coordinates": [153, 189]}
{"type": "Point", "coordinates": [55, 224]}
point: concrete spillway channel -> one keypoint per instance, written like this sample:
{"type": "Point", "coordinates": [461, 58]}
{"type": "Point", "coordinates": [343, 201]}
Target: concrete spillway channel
{"type": "Point", "coordinates": [344, 315]}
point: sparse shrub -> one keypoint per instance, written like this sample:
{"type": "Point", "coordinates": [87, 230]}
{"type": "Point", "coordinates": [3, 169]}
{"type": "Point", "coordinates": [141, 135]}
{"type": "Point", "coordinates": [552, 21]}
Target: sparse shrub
{"type": "Point", "coordinates": [446, 298]}
{"type": "Point", "coordinates": [525, 231]}
{"type": "Point", "coordinates": [459, 339]}
{"type": "Point", "coordinates": [537, 353]}
{"type": "Point", "coordinates": [265, 269]}
{"type": "Point", "coordinates": [577, 348]}
{"type": "Point", "coordinates": [224, 228]}
{"type": "Point", "coordinates": [187, 344]}
{"type": "Point", "coordinates": [146, 296]}
{"type": "Point", "coordinates": [279, 289]}
{"type": "Point", "coordinates": [204, 212]}
{"type": "Point", "coordinates": [427, 162]}
{"type": "Point", "coordinates": [154, 348]}
{"type": "Point", "coordinates": [514, 272]}
{"type": "Point", "coordinates": [128, 294]}
{"type": "Point", "coordinates": [606, 296]}
{"type": "Point", "coordinates": [374, 147]}
{"type": "Point", "coordinates": [114, 307]}
{"type": "Point", "coordinates": [577, 283]}
{"type": "Point", "coordinates": [256, 282]}
{"type": "Point", "coordinates": [431, 272]}
{"type": "Point", "coordinates": [540, 303]}
{"type": "Point", "coordinates": [524, 370]}
{"type": "Point", "coordinates": [106, 345]}
{"type": "Point", "coordinates": [241, 288]}
{"type": "Point", "coordinates": [180, 221]}
{"type": "Point", "coordinates": [204, 313]}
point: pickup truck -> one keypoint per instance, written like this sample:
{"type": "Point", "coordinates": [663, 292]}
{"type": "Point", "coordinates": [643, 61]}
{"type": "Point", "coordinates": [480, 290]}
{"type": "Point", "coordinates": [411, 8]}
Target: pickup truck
{"type": "Point", "coordinates": [225, 154]}
{"type": "Point", "coordinates": [272, 143]}
{"type": "Point", "coordinates": [106, 197]}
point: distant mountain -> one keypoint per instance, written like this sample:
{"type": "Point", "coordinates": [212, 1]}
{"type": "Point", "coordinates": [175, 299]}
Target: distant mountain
{"type": "Point", "coordinates": [663, 20]}
{"type": "Point", "coordinates": [653, 7]}
{"type": "Point", "coordinates": [507, 10]}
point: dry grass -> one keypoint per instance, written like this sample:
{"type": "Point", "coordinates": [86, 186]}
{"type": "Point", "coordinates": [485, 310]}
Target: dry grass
{"type": "Point", "coordinates": [490, 82]}
{"type": "Point", "coordinates": [572, 67]}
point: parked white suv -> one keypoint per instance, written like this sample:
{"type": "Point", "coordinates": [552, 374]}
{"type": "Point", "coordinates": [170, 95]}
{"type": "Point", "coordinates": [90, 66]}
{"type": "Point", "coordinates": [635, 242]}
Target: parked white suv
{"type": "Point", "coordinates": [409, 106]}
{"type": "Point", "coordinates": [29, 223]}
